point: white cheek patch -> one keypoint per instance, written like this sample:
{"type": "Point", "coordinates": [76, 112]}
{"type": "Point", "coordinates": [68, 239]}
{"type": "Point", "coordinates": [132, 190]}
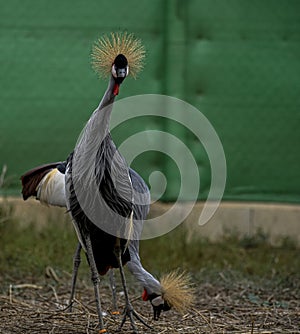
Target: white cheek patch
{"type": "Point", "coordinates": [157, 301]}
{"type": "Point", "coordinates": [113, 71]}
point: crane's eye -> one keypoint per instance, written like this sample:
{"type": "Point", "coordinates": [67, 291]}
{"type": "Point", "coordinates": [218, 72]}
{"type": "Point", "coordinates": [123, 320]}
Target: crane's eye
{"type": "Point", "coordinates": [119, 72]}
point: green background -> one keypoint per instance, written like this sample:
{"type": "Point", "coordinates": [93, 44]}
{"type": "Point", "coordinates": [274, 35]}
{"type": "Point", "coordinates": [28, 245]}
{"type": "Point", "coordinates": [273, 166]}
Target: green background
{"type": "Point", "coordinates": [236, 61]}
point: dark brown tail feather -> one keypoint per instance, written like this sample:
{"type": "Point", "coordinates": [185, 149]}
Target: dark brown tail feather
{"type": "Point", "coordinates": [33, 177]}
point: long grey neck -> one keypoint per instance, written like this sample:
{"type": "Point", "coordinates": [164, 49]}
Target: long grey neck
{"type": "Point", "coordinates": [146, 280]}
{"type": "Point", "coordinates": [108, 97]}
{"type": "Point", "coordinates": [91, 137]}
{"type": "Point", "coordinates": [97, 126]}
{"type": "Point", "coordinates": [106, 104]}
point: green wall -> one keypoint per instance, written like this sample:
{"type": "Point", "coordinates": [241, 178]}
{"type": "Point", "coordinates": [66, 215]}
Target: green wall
{"type": "Point", "coordinates": [237, 61]}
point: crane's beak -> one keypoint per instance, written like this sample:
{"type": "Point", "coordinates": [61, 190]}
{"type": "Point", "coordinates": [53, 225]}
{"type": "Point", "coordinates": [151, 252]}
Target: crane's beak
{"type": "Point", "coordinates": [119, 75]}
{"type": "Point", "coordinates": [156, 312]}
{"type": "Point", "coordinates": [159, 305]}
{"type": "Point", "coordinates": [157, 302]}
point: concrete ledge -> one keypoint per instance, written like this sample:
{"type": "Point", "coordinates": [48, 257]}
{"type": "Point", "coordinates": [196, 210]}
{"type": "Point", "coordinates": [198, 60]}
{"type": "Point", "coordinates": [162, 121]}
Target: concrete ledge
{"type": "Point", "coordinates": [244, 218]}
{"type": "Point", "coordinates": [277, 221]}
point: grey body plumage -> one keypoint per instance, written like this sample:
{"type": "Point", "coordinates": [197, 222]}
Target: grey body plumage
{"type": "Point", "coordinates": [100, 185]}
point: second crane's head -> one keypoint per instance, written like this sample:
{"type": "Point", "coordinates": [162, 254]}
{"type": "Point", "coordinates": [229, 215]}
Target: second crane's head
{"type": "Point", "coordinates": [119, 71]}
{"type": "Point", "coordinates": [175, 291]}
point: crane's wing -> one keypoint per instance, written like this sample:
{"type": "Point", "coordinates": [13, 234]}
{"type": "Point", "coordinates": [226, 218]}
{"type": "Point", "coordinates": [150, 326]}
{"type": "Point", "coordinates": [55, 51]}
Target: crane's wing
{"type": "Point", "coordinates": [141, 196]}
{"type": "Point", "coordinates": [46, 183]}
{"type": "Point", "coordinates": [113, 179]}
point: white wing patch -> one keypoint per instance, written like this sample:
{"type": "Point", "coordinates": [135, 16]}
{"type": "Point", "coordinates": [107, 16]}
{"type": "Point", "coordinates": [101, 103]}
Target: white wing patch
{"type": "Point", "coordinates": [51, 189]}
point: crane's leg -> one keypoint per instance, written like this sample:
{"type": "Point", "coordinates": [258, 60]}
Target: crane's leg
{"type": "Point", "coordinates": [76, 264]}
{"type": "Point", "coordinates": [95, 279]}
{"type": "Point", "coordinates": [129, 311]}
{"type": "Point", "coordinates": [112, 282]}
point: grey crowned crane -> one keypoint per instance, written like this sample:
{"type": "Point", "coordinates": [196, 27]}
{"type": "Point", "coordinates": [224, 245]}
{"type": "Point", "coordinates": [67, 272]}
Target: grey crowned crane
{"type": "Point", "coordinates": [107, 200]}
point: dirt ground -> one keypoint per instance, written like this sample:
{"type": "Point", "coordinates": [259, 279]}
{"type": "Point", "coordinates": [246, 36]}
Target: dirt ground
{"type": "Point", "coordinates": [228, 304]}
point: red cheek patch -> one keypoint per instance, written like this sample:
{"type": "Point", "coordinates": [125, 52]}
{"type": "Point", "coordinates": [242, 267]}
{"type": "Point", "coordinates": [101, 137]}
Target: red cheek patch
{"type": "Point", "coordinates": [145, 295]}
{"type": "Point", "coordinates": [116, 90]}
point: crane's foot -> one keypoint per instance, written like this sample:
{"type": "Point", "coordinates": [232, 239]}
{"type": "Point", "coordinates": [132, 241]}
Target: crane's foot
{"type": "Point", "coordinates": [131, 314]}
{"type": "Point", "coordinates": [128, 311]}
{"type": "Point", "coordinates": [69, 307]}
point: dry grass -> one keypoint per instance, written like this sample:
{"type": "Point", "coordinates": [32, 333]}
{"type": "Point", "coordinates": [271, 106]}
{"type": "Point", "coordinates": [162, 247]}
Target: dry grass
{"type": "Point", "coordinates": [229, 306]}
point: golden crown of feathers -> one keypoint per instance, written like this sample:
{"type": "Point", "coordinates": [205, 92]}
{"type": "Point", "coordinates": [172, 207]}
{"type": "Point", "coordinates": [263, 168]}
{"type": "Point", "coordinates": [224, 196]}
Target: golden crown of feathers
{"type": "Point", "coordinates": [107, 47]}
{"type": "Point", "coordinates": [177, 291]}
